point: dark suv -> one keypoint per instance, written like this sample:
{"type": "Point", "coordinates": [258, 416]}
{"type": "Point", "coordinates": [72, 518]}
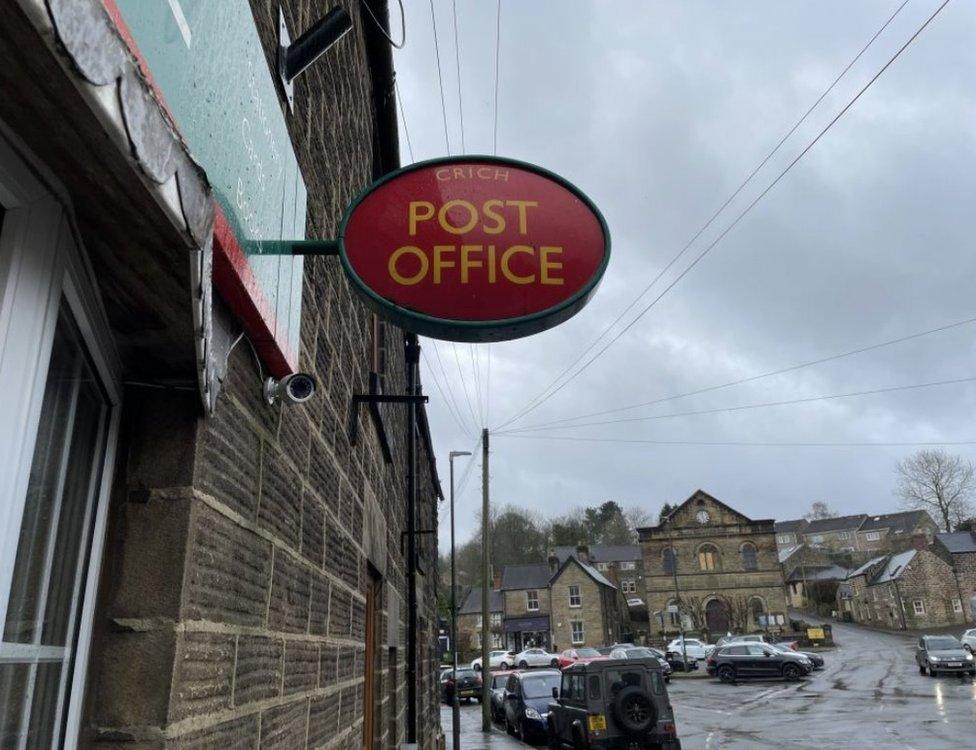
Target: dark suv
{"type": "Point", "coordinates": [621, 703]}
{"type": "Point", "coordinates": [739, 660]}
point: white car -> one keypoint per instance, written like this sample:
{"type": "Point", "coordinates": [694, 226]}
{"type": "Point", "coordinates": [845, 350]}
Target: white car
{"type": "Point", "coordinates": [969, 640]}
{"type": "Point", "coordinates": [536, 657]}
{"type": "Point", "coordinates": [496, 660]}
{"type": "Point", "coordinates": [695, 648]}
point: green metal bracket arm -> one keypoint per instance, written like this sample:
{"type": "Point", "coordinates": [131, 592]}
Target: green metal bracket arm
{"type": "Point", "coordinates": [293, 247]}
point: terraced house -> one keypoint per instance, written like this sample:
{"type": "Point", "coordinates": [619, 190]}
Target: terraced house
{"type": "Point", "coordinates": [186, 560]}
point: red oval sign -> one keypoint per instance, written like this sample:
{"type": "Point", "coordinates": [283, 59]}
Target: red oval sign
{"type": "Point", "coordinates": [474, 248]}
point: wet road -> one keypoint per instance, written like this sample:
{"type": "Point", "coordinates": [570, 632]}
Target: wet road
{"type": "Point", "coordinates": [869, 695]}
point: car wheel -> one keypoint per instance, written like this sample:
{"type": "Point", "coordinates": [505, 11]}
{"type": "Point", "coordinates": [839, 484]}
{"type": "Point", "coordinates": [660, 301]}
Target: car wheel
{"type": "Point", "coordinates": [791, 672]}
{"type": "Point", "coordinates": [523, 664]}
{"type": "Point", "coordinates": [520, 730]}
{"type": "Point", "coordinates": [476, 667]}
{"type": "Point", "coordinates": [504, 665]}
{"type": "Point", "coordinates": [921, 669]}
{"type": "Point", "coordinates": [968, 647]}
{"type": "Point", "coordinates": [933, 673]}
{"type": "Point", "coordinates": [726, 673]}
{"type": "Point", "coordinates": [552, 738]}
{"type": "Point", "coordinates": [554, 663]}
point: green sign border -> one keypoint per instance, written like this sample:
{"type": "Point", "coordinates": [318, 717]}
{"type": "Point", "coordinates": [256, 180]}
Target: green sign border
{"type": "Point", "coordinates": [449, 329]}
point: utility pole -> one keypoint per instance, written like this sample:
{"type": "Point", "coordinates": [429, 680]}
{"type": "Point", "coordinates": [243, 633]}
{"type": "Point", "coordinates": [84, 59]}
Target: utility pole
{"type": "Point", "coordinates": [677, 602]}
{"type": "Point", "coordinates": [413, 359]}
{"type": "Point", "coordinates": [485, 614]}
{"type": "Point", "coordinates": [456, 703]}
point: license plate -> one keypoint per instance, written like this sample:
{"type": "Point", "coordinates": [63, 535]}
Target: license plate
{"type": "Point", "coordinates": [955, 663]}
{"type": "Point", "coordinates": [466, 693]}
{"type": "Point", "coordinates": [597, 723]}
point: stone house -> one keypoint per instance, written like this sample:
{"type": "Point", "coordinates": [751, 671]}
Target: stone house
{"type": "Point", "coordinates": [959, 550]}
{"type": "Point", "coordinates": [708, 566]}
{"type": "Point", "coordinates": [895, 532]}
{"type": "Point", "coordinates": [789, 534]}
{"type": "Point", "coordinates": [814, 586]}
{"type": "Point", "coordinates": [911, 590]}
{"type": "Point", "coordinates": [621, 563]}
{"type": "Point", "coordinates": [469, 622]}
{"type": "Point", "coordinates": [227, 572]}
{"type": "Point", "coordinates": [526, 621]}
{"type": "Point", "coordinates": [586, 608]}
{"type": "Point", "coordinates": [837, 534]}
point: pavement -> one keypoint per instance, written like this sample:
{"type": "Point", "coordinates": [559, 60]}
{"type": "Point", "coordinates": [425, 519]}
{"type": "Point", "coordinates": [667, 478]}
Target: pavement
{"type": "Point", "coordinates": [869, 694]}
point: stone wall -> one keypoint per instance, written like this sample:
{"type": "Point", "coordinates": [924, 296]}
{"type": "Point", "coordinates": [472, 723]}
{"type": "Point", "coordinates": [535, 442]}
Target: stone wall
{"type": "Point", "coordinates": [241, 548]}
{"type": "Point", "coordinates": [516, 601]}
{"type": "Point", "coordinates": [592, 612]}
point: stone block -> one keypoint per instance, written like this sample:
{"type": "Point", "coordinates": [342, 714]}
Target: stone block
{"type": "Point", "coordinates": [280, 504]}
{"type": "Point", "coordinates": [135, 678]}
{"type": "Point", "coordinates": [301, 666]}
{"type": "Point", "coordinates": [328, 665]}
{"type": "Point", "coordinates": [318, 621]}
{"type": "Point", "coordinates": [313, 529]}
{"type": "Point", "coordinates": [228, 459]}
{"type": "Point", "coordinates": [339, 612]}
{"type": "Point", "coordinates": [259, 669]}
{"type": "Point", "coordinates": [238, 734]}
{"type": "Point", "coordinates": [323, 719]}
{"type": "Point", "coordinates": [290, 595]}
{"type": "Point", "coordinates": [285, 727]}
{"type": "Point", "coordinates": [228, 571]}
{"type": "Point", "coordinates": [202, 674]}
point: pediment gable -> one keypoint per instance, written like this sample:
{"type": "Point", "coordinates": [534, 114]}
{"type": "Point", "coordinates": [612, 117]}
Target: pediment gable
{"type": "Point", "coordinates": [686, 514]}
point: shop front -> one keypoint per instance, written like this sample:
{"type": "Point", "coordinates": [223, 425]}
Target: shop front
{"type": "Point", "coordinates": [527, 632]}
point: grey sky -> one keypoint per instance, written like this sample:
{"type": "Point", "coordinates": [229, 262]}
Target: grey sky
{"type": "Point", "coordinates": [658, 110]}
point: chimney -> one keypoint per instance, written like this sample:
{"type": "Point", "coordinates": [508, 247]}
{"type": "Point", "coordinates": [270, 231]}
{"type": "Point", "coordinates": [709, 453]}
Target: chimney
{"type": "Point", "coordinates": [553, 562]}
{"type": "Point", "coordinates": [582, 553]}
{"type": "Point", "coordinates": [496, 579]}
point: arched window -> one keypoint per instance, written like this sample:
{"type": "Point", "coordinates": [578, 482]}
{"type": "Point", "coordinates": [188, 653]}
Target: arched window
{"type": "Point", "coordinates": [749, 561]}
{"type": "Point", "coordinates": [669, 560]}
{"type": "Point", "coordinates": [708, 558]}
{"type": "Point", "coordinates": [756, 609]}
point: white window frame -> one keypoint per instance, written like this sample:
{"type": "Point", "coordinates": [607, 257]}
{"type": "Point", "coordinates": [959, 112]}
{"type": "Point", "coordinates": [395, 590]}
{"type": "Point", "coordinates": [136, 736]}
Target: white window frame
{"type": "Point", "coordinates": [918, 606]}
{"type": "Point", "coordinates": [872, 536]}
{"type": "Point", "coordinates": [41, 265]}
{"type": "Point", "coordinates": [816, 539]}
{"type": "Point", "coordinates": [603, 566]}
{"type": "Point", "coordinates": [628, 565]}
{"type": "Point", "coordinates": [574, 626]}
{"type": "Point", "coordinates": [957, 605]}
{"type": "Point", "coordinates": [532, 596]}
{"type": "Point", "coordinates": [577, 596]}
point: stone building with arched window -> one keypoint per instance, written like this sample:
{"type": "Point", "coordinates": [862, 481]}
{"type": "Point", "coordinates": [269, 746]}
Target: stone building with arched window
{"type": "Point", "coordinates": [709, 567]}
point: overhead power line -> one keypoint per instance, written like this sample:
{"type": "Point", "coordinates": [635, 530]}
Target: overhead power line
{"type": "Point", "coordinates": [751, 444]}
{"type": "Point", "coordinates": [457, 64]}
{"type": "Point", "coordinates": [464, 384]}
{"type": "Point", "coordinates": [745, 407]}
{"type": "Point", "coordinates": [443, 393]}
{"type": "Point", "coordinates": [550, 391]}
{"type": "Point", "coordinates": [403, 117]}
{"type": "Point", "coordinates": [760, 376]}
{"type": "Point", "coordinates": [447, 381]}
{"type": "Point", "coordinates": [440, 78]}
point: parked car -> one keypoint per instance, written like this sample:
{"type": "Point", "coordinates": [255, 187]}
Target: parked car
{"type": "Point", "coordinates": [496, 660]}
{"type": "Point", "coordinates": [623, 645]}
{"type": "Point", "coordinates": [643, 652]}
{"type": "Point", "coordinates": [816, 659]}
{"type": "Point", "coordinates": [744, 660]}
{"type": "Point", "coordinates": [574, 655]}
{"type": "Point", "coordinates": [496, 700]}
{"type": "Point", "coordinates": [617, 703]}
{"type": "Point", "coordinates": [725, 640]}
{"type": "Point", "coordinates": [943, 653]}
{"type": "Point", "coordinates": [604, 650]}
{"type": "Point", "coordinates": [535, 657]}
{"type": "Point", "coordinates": [969, 640]}
{"type": "Point", "coordinates": [527, 699]}
{"type": "Point", "coordinates": [466, 682]}
{"type": "Point", "coordinates": [695, 648]}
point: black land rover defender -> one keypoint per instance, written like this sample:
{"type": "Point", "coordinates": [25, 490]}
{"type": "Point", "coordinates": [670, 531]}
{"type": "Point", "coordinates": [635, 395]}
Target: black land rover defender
{"type": "Point", "coordinates": [620, 703]}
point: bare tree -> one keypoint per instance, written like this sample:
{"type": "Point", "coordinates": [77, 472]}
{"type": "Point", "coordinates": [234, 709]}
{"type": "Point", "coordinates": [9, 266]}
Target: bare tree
{"type": "Point", "coordinates": [938, 482]}
{"type": "Point", "coordinates": [819, 510]}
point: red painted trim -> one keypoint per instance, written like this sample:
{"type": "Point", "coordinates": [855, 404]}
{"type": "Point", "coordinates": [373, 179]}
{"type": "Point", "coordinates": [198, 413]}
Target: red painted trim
{"type": "Point", "coordinates": [240, 289]}
{"type": "Point", "coordinates": [232, 274]}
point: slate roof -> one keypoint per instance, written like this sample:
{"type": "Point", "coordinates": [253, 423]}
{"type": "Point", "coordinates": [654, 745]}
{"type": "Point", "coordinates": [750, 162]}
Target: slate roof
{"type": "Point", "coordinates": [592, 572]}
{"type": "Point", "coordinates": [603, 552]}
{"type": "Point", "coordinates": [787, 552]}
{"type": "Point", "coordinates": [528, 576]}
{"type": "Point", "coordinates": [817, 573]}
{"type": "Point", "coordinates": [841, 523]}
{"type": "Point", "coordinates": [958, 542]}
{"type": "Point", "coordinates": [472, 602]}
{"type": "Point", "coordinates": [898, 523]}
{"type": "Point", "coordinates": [864, 568]}
{"type": "Point", "coordinates": [895, 567]}
{"type": "Point", "coordinates": [790, 527]}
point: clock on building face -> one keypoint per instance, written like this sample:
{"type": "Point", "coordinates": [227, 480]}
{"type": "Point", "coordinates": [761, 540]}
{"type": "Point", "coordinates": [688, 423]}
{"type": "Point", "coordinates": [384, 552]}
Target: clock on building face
{"type": "Point", "coordinates": [702, 517]}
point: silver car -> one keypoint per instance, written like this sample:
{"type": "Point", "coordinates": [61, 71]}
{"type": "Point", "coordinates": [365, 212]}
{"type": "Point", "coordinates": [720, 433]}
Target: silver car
{"type": "Point", "coordinates": [943, 653]}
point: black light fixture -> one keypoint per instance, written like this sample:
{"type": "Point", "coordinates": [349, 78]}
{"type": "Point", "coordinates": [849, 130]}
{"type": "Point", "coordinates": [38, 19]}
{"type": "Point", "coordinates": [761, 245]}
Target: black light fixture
{"type": "Point", "coordinates": [295, 57]}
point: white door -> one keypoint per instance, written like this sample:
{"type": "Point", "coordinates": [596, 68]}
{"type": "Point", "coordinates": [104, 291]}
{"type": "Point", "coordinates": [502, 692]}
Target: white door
{"type": "Point", "coordinates": [59, 407]}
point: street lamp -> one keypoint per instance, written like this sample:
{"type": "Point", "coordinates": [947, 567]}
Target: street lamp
{"type": "Point", "coordinates": [455, 701]}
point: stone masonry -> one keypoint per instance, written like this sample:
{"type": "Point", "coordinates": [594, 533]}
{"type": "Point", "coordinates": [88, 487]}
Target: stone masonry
{"type": "Point", "coordinates": [600, 609]}
{"type": "Point", "coordinates": [241, 548]}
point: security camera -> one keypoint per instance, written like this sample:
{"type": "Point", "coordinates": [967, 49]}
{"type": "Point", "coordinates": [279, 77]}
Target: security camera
{"type": "Point", "coordinates": [291, 389]}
